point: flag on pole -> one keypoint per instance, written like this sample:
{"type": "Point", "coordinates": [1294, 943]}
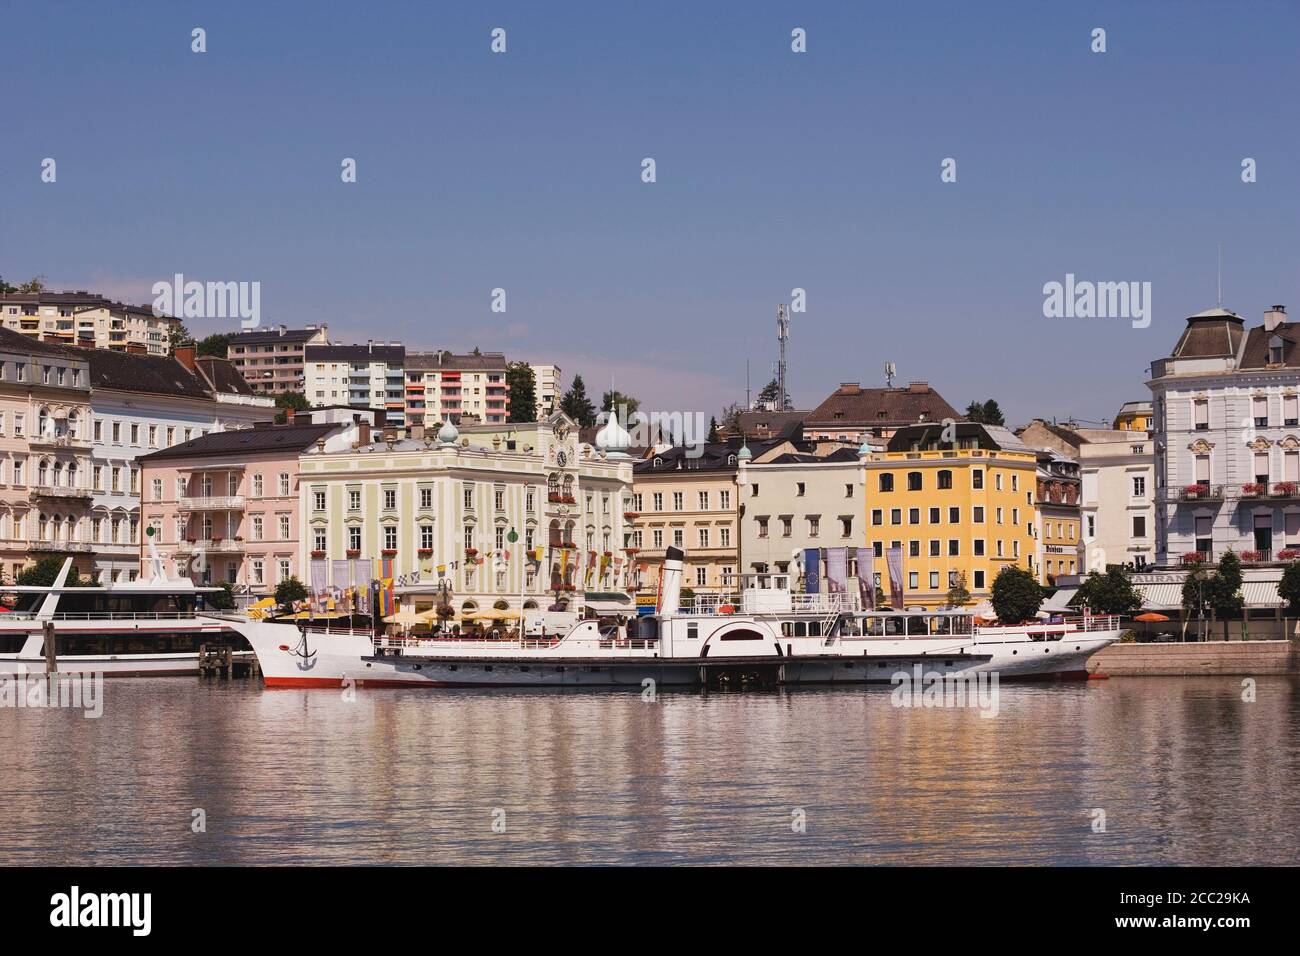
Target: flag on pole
{"type": "Point", "coordinates": [894, 562]}
{"type": "Point", "coordinates": [867, 578]}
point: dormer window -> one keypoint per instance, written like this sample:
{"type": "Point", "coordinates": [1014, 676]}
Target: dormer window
{"type": "Point", "coordinates": [1275, 350]}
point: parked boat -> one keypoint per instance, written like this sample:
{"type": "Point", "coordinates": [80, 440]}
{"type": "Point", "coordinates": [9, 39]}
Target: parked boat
{"type": "Point", "coordinates": [127, 629]}
{"type": "Point", "coordinates": [765, 634]}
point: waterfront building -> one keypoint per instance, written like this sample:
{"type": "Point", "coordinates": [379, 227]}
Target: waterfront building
{"type": "Point", "coordinates": [795, 501]}
{"type": "Point", "coordinates": [272, 361]}
{"type": "Point", "coordinates": [961, 503]}
{"type": "Point", "coordinates": [226, 507]}
{"type": "Point", "coordinates": [363, 376]}
{"type": "Point", "coordinates": [1227, 440]}
{"type": "Point", "coordinates": [443, 386]}
{"type": "Point", "coordinates": [442, 509]}
{"type": "Point", "coordinates": [761, 424]}
{"type": "Point", "coordinates": [1117, 503]}
{"type": "Point", "coordinates": [86, 319]}
{"type": "Point", "coordinates": [45, 452]}
{"type": "Point", "coordinates": [141, 403]}
{"type": "Point", "coordinates": [853, 414]}
{"type": "Point", "coordinates": [1057, 524]}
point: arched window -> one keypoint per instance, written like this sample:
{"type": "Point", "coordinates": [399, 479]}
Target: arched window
{"type": "Point", "coordinates": [913, 481]}
{"type": "Point", "coordinates": [886, 482]}
{"type": "Point", "coordinates": [43, 473]}
{"type": "Point", "coordinates": [945, 478]}
{"type": "Point", "coordinates": [44, 423]}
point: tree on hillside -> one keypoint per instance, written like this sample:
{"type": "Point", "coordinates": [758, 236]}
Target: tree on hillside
{"type": "Point", "coordinates": [521, 383]}
{"type": "Point", "coordinates": [34, 284]}
{"type": "Point", "coordinates": [986, 413]}
{"type": "Point", "coordinates": [289, 402]}
{"type": "Point", "coordinates": [618, 399]}
{"type": "Point", "coordinates": [577, 405]}
{"type": "Point", "coordinates": [1016, 596]}
{"type": "Point", "coordinates": [713, 429]}
{"type": "Point", "coordinates": [217, 344]}
{"type": "Point", "coordinates": [771, 392]}
{"type": "Point", "coordinates": [5, 287]}
{"type": "Point", "coordinates": [1110, 592]}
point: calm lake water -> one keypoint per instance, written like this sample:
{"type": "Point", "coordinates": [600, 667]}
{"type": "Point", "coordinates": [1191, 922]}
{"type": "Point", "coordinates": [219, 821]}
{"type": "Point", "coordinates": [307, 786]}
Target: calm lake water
{"type": "Point", "coordinates": [1185, 771]}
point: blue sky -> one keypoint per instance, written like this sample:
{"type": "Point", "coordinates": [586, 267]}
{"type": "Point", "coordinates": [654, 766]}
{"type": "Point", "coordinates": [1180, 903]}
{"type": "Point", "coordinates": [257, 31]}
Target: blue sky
{"type": "Point", "coordinates": [775, 171]}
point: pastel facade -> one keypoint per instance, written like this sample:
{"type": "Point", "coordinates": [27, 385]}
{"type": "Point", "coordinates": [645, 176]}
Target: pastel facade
{"type": "Point", "coordinates": [45, 453]}
{"type": "Point", "coordinates": [451, 501]}
{"type": "Point", "coordinates": [959, 507]}
{"type": "Point", "coordinates": [442, 386]}
{"type": "Point", "coordinates": [1227, 440]}
{"type": "Point", "coordinates": [1058, 526]}
{"type": "Point", "coordinates": [363, 376]}
{"type": "Point", "coordinates": [1117, 503]}
{"type": "Point", "coordinates": [273, 361]}
{"type": "Point", "coordinates": [86, 319]}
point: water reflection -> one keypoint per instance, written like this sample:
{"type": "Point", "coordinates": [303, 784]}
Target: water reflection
{"type": "Point", "coordinates": [1184, 770]}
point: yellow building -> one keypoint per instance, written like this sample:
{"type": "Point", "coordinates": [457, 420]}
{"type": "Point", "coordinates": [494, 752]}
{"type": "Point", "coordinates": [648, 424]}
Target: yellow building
{"type": "Point", "coordinates": [1059, 519]}
{"type": "Point", "coordinates": [959, 499]}
{"type": "Point", "coordinates": [1134, 416]}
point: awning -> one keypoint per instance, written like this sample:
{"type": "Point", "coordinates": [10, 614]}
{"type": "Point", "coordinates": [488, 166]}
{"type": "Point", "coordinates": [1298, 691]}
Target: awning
{"type": "Point", "coordinates": [608, 602]}
{"type": "Point", "coordinates": [1260, 593]}
{"type": "Point", "coordinates": [1160, 596]}
{"type": "Point", "coordinates": [1059, 602]}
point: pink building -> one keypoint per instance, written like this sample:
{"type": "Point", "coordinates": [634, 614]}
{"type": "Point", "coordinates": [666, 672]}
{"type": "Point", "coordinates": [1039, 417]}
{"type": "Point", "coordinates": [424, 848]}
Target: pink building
{"type": "Point", "coordinates": [224, 507]}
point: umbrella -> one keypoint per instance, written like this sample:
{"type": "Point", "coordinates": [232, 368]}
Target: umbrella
{"type": "Point", "coordinates": [497, 614]}
{"type": "Point", "coordinates": [405, 618]}
{"type": "Point", "coordinates": [1151, 616]}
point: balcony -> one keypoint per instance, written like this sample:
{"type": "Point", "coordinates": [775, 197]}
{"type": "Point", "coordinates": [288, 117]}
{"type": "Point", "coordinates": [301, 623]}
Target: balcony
{"type": "Point", "coordinates": [212, 546]}
{"type": "Point", "coordinates": [59, 441]}
{"type": "Point", "coordinates": [227, 503]}
{"type": "Point", "coordinates": [62, 547]}
{"type": "Point", "coordinates": [1197, 492]}
{"type": "Point", "coordinates": [59, 491]}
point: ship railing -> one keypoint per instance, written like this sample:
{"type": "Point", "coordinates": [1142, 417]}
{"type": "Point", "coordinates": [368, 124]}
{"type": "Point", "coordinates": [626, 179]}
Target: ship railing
{"type": "Point", "coordinates": [1070, 625]}
{"type": "Point", "coordinates": [824, 605]}
{"type": "Point", "coordinates": [104, 616]}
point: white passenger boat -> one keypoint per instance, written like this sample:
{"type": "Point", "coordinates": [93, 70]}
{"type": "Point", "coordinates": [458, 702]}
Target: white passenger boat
{"type": "Point", "coordinates": [129, 629]}
{"type": "Point", "coordinates": [768, 635]}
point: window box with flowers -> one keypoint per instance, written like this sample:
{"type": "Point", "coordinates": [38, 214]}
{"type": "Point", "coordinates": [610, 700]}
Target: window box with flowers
{"type": "Point", "coordinates": [318, 554]}
{"type": "Point", "coordinates": [388, 552]}
{"type": "Point", "coordinates": [1253, 489]}
{"type": "Point", "coordinates": [1197, 491]}
{"type": "Point", "coordinates": [1288, 554]}
{"type": "Point", "coordinates": [631, 515]}
{"type": "Point", "coordinates": [1256, 557]}
{"type": "Point", "coordinates": [1285, 489]}
{"type": "Point", "coordinates": [471, 552]}
{"type": "Point", "coordinates": [554, 497]}
{"type": "Point", "coordinates": [631, 550]}
{"type": "Point", "coordinates": [568, 499]}
{"type": "Point", "coordinates": [1194, 557]}
{"type": "Point", "coordinates": [425, 552]}
{"type": "Point", "coordinates": [354, 552]}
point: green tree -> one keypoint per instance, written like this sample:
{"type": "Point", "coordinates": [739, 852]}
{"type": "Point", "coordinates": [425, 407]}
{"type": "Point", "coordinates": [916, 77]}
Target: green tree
{"type": "Point", "coordinates": [289, 402]}
{"type": "Point", "coordinates": [44, 572]}
{"type": "Point", "coordinates": [957, 594]}
{"type": "Point", "coordinates": [618, 398]}
{"type": "Point", "coordinates": [577, 405]}
{"type": "Point", "coordinates": [217, 344]}
{"type": "Point", "coordinates": [1110, 592]}
{"type": "Point", "coordinates": [34, 284]}
{"type": "Point", "coordinates": [713, 429]}
{"type": "Point", "coordinates": [5, 287]}
{"type": "Point", "coordinates": [1216, 592]}
{"type": "Point", "coordinates": [222, 600]}
{"type": "Point", "coordinates": [1289, 587]}
{"type": "Point", "coordinates": [1016, 596]}
{"type": "Point", "coordinates": [770, 395]}
{"type": "Point", "coordinates": [287, 592]}
{"type": "Point", "coordinates": [731, 419]}
{"type": "Point", "coordinates": [521, 382]}
{"type": "Point", "coordinates": [985, 413]}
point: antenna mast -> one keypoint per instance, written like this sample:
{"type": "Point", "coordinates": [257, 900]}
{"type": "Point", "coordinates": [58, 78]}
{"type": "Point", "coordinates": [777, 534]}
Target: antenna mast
{"type": "Point", "coordinates": [782, 336]}
{"type": "Point", "coordinates": [890, 371]}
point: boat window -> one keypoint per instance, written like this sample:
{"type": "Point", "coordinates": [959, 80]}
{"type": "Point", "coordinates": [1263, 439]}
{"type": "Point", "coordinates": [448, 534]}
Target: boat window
{"type": "Point", "coordinates": [692, 631]}
{"type": "Point", "coordinates": [800, 629]}
{"type": "Point", "coordinates": [873, 626]}
{"type": "Point", "coordinates": [893, 626]}
{"type": "Point", "coordinates": [12, 643]}
{"type": "Point", "coordinates": [814, 628]}
{"type": "Point", "coordinates": [742, 635]}
{"type": "Point", "coordinates": [916, 625]}
{"type": "Point", "coordinates": [787, 629]}
{"type": "Point", "coordinates": [941, 625]}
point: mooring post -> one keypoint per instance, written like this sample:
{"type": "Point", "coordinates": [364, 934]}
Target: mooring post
{"type": "Point", "coordinates": [51, 657]}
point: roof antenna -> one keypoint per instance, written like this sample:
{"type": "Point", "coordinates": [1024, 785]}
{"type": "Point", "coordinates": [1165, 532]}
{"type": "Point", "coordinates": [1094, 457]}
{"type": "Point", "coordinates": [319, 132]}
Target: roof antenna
{"type": "Point", "coordinates": [1220, 275]}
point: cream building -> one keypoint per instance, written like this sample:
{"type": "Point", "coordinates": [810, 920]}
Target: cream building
{"type": "Point", "coordinates": [795, 502]}
{"type": "Point", "coordinates": [1118, 503]}
{"type": "Point", "coordinates": [363, 376]}
{"type": "Point", "coordinates": [548, 389]}
{"type": "Point", "coordinates": [450, 502]}
{"type": "Point", "coordinates": [87, 319]}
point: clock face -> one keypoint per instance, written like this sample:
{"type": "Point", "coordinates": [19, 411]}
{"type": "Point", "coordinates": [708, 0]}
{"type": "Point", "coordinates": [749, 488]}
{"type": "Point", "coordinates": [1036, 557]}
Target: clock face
{"type": "Point", "coordinates": [561, 458]}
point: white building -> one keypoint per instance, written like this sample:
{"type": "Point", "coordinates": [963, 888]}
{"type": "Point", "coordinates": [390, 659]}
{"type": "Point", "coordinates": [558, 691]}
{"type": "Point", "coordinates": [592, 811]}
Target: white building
{"type": "Point", "coordinates": [1117, 503]}
{"type": "Point", "coordinates": [798, 501]}
{"type": "Point", "coordinates": [442, 509]}
{"type": "Point", "coordinates": [364, 376]}
{"type": "Point", "coordinates": [1227, 439]}
{"type": "Point", "coordinates": [143, 403]}
{"type": "Point", "coordinates": [548, 391]}
{"type": "Point", "coordinates": [87, 319]}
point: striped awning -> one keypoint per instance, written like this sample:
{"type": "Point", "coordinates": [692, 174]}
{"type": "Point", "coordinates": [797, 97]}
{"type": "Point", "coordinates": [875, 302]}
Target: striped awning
{"type": "Point", "coordinates": [1161, 596]}
{"type": "Point", "coordinates": [1260, 593]}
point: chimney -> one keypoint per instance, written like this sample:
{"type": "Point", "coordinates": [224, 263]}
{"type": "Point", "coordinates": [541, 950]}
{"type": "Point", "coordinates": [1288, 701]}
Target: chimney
{"type": "Point", "coordinates": [370, 344]}
{"type": "Point", "coordinates": [1274, 317]}
{"type": "Point", "coordinates": [918, 388]}
{"type": "Point", "coordinates": [137, 348]}
{"type": "Point", "coordinates": [670, 582]}
{"type": "Point", "coordinates": [363, 432]}
{"type": "Point", "coordinates": [185, 355]}
{"type": "Point", "coordinates": [850, 388]}
{"type": "Point", "coordinates": [259, 426]}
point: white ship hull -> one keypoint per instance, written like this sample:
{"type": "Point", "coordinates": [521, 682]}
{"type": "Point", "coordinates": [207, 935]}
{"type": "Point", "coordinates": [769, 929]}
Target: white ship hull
{"type": "Point", "coordinates": [342, 659]}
